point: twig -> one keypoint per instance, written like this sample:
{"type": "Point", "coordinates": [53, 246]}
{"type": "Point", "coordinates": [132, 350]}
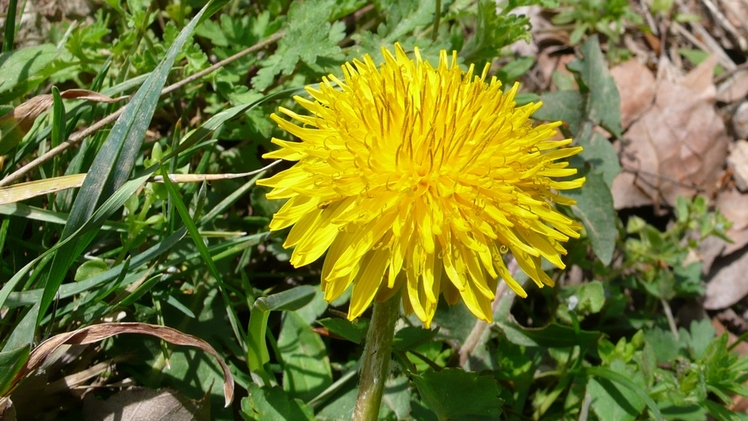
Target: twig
{"type": "Point", "coordinates": [79, 136]}
{"type": "Point", "coordinates": [480, 326]}
{"type": "Point", "coordinates": [722, 19]}
{"type": "Point", "coordinates": [703, 39]}
{"type": "Point", "coordinates": [670, 318]}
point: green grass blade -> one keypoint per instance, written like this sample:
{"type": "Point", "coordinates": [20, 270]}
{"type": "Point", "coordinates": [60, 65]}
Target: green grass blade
{"type": "Point", "coordinates": [207, 258]}
{"type": "Point", "coordinates": [116, 159]}
{"type": "Point", "coordinates": [97, 219]}
{"type": "Point", "coordinates": [113, 164]}
{"type": "Point", "coordinates": [9, 36]}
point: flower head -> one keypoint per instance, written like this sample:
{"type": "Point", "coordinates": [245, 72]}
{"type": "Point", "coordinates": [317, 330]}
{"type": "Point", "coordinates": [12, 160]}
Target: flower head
{"type": "Point", "coordinates": [420, 179]}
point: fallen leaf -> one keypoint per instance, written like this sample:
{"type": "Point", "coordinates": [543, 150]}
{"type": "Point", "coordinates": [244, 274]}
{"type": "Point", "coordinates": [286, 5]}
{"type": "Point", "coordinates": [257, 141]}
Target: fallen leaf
{"type": "Point", "coordinates": [145, 404]}
{"type": "Point", "coordinates": [99, 332]}
{"type": "Point", "coordinates": [636, 85]}
{"type": "Point", "coordinates": [734, 87]}
{"type": "Point", "coordinates": [15, 124]}
{"type": "Point", "coordinates": [740, 121]}
{"type": "Point", "coordinates": [726, 283]}
{"type": "Point", "coordinates": [677, 148]}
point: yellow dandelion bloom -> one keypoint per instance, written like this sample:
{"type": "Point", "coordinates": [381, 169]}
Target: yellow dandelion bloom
{"type": "Point", "coordinates": [419, 179]}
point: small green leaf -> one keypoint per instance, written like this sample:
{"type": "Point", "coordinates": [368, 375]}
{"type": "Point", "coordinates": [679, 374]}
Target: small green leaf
{"type": "Point", "coordinates": [595, 209]}
{"type": "Point", "coordinates": [455, 394]}
{"type": "Point", "coordinates": [553, 335]}
{"type": "Point", "coordinates": [89, 269]}
{"type": "Point", "coordinates": [411, 337]}
{"type": "Point", "coordinates": [354, 332]}
{"type": "Point", "coordinates": [273, 404]}
{"type": "Point", "coordinates": [515, 69]}
{"type": "Point", "coordinates": [493, 32]}
{"type": "Point", "coordinates": [591, 297]}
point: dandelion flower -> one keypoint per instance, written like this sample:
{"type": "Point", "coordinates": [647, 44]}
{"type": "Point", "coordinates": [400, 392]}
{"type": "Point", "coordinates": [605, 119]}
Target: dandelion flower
{"type": "Point", "coordinates": [419, 179]}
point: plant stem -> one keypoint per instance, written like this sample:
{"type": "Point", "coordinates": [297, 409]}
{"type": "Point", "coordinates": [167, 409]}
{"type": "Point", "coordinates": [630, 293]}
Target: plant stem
{"type": "Point", "coordinates": [377, 353]}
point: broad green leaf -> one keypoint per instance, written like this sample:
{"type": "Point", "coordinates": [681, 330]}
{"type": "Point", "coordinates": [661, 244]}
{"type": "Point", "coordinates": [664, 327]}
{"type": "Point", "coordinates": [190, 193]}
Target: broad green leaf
{"type": "Point", "coordinates": [20, 65]}
{"type": "Point", "coordinates": [595, 209]}
{"type": "Point", "coordinates": [10, 363]}
{"type": "Point", "coordinates": [620, 379]}
{"type": "Point", "coordinates": [396, 399]}
{"type": "Point", "coordinates": [306, 367]}
{"type": "Point", "coordinates": [454, 394]}
{"type": "Point", "coordinates": [552, 336]}
{"type": "Point", "coordinates": [409, 338]}
{"type": "Point", "coordinates": [599, 153]}
{"type": "Point", "coordinates": [603, 102]}
{"type": "Point", "coordinates": [273, 404]}
{"type": "Point", "coordinates": [566, 106]}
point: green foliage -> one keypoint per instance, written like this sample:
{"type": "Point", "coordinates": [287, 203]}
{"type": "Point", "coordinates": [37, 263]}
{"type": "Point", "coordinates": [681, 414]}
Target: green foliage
{"type": "Point", "coordinates": [658, 260]}
{"type": "Point", "coordinates": [198, 257]}
{"type": "Point", "coordinates": [456, 394]}
{"type": "Point", "coordinates": [309, 39]}
{"type": "Point", "coordinates": [607, 17]}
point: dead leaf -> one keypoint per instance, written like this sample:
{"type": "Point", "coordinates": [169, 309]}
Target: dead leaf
{"type": "Point", "coordinates": [145, 404]}
{"type": "Point", "coordinates": [22, 191]}
{"type": "Point", "coordinates": [15, 124]}
{"type": "Point", "coordinates": [96, 333]}
{"type": "Point", "coordinates": [677, 148]}
{"type": "Point", "coordinates": [7, 410]}
{"type": "Point", "coordinates": [738, 161]}
{"type": "Point", "coordinates": [726, 283]}
{"type": "Point", "coordinates": [700, 80]}
{"type": "Point", "coordinates": [740, 121]}
{"type": "Point", "coordinates": [734, 206]}
{"type": "Point", "coordinates": [85, 94]}
{"type": "Point", "coordinates": [636, 85]}
{"type": "Point", "coordinates": [734, 88]}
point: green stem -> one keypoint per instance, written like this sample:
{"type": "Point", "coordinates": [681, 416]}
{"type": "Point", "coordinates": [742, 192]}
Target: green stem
{"type": "Point", "coordinates": [377, 353]}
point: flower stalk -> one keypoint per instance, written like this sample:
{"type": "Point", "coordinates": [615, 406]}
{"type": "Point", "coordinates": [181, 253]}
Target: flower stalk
{"type": "Point", "coordinates": [376, 359]}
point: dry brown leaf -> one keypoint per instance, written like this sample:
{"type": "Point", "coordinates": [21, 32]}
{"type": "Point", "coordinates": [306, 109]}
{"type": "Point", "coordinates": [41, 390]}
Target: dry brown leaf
{"type": "Point", "coordinates": [23, 191]}
{"type": "Point", "coordinates": [734, 88]}
{"type": "Point", "coordinates": [678, 147]}
{"type": "Point", "coordinates": [734, 206]}
{"type": "Point", "coordinates": [700, 80]}
{"type": "Point", "coordinates": [636, 85]}
{"type": "Point", "coordinates": [96, 333]}
{"type": "Point", "coordinates": [726, 283]}
{"type": "Point", "coordinates": [145, 404]}
{"type": "Point", "coordinates": [85, 94]}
